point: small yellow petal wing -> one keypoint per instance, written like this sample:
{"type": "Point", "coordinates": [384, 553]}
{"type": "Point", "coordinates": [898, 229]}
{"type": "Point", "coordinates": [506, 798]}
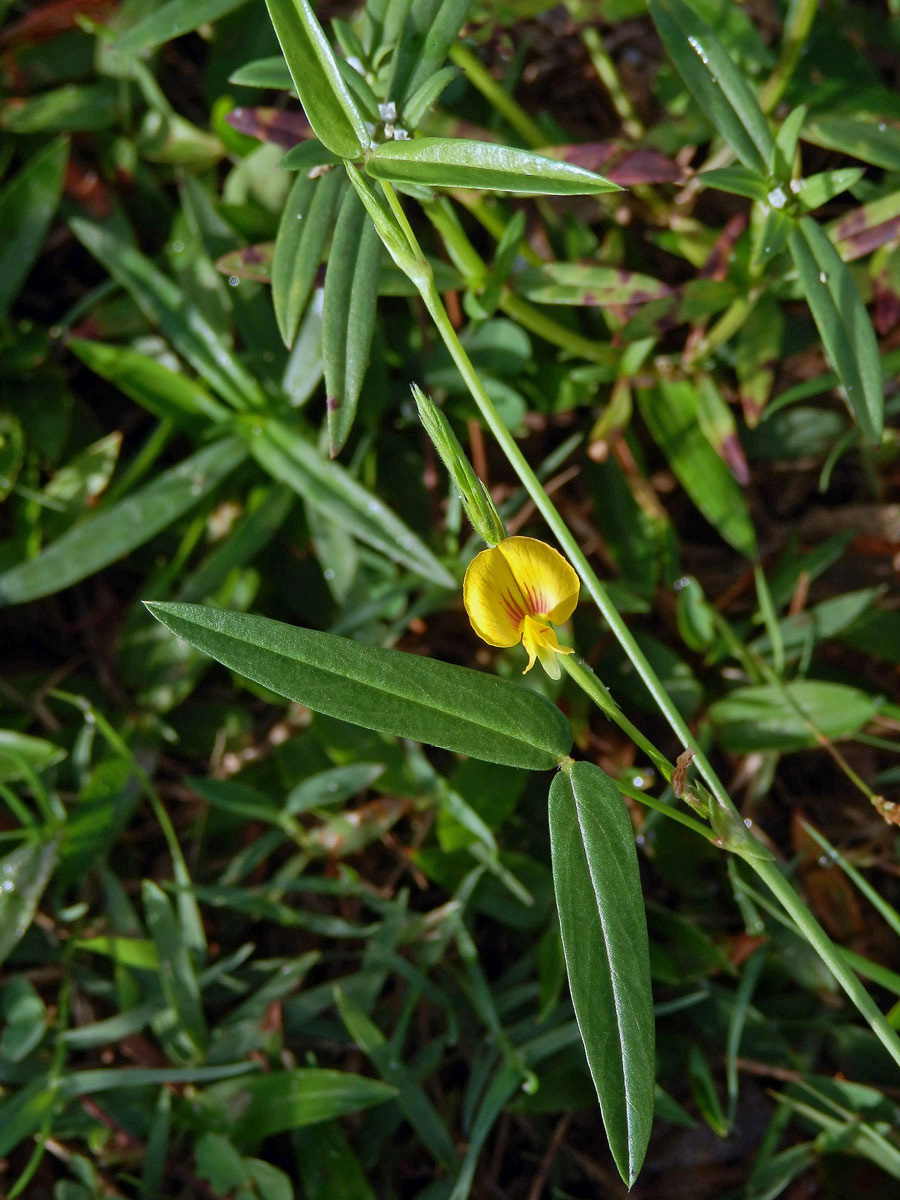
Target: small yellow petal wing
{"type": "Point", "coordinates": [493, 600]}
{"type": "Point", "coordinates": [546, 579]}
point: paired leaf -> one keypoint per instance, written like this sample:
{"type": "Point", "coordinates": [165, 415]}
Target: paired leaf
{"type": "Point", "coordinates": [431, 29]}
{"type": "Point", "coordinates": [604, 935]}
{"type": "Point", "coordinates": [306, 222]}
{"type": "Point", "coordinates": [121, 528]}
{"type": "Point", "coordinates": [843, 323]}
{"type": "Point", "coordinates": [326, 99]}
{"type": "Point", "coordinates": [463, 163]}
{"type": "Point", "coordinates": [27, 205]}
{"type": "Point", "coordinates": [393, 692]}
{"type": "Point", "coordinates": [719, 87]}
{"type": "Point", "coordinates": [348, 314]}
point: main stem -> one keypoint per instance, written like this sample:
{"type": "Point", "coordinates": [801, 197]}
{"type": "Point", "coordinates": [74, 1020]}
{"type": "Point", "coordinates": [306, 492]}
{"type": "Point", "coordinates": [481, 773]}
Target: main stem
{"type": "Point", "coordinates": [766, 869]}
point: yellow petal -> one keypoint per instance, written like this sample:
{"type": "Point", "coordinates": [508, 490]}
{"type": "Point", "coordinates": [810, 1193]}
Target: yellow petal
{"type": "Point", "coordinates": [492, 598]}
{"type": "Point", "coordinates": [546, 580]}
{"type": "Point", "coordinates": [540, 642]}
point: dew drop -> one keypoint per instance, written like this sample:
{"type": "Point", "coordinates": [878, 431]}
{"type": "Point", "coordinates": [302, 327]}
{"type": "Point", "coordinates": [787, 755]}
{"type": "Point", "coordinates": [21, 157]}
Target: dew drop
{"type": "Point", "coordinates": [8, 885]}
{"type": "Point", "coordinates": [233, 281]}
{"type": "Point", "coordinates": [328, 573]}
{"type": "Point", "coordinates": [748, 822]}
{"type": "Point", "coordinates": [823, 278]}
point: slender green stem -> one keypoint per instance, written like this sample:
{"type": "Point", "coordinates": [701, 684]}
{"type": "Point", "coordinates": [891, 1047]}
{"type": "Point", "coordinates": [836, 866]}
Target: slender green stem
{"type": "Point", "coordinates": [497, 96]}
{"type": "Point", "coordinates": [797, 25]}
{"type": "Point", "coordinates": [830, 954]}
{"type": "Point", "coordinates": [530, 317]}
{"type": "Point", "coordinates": [725, 328]}
{"type": "Point", "coordinates": [578, 670]}
{"type": "Point", "coordinates": [609, 77]}
{"type": "Point", "coordinates": [666, 810]}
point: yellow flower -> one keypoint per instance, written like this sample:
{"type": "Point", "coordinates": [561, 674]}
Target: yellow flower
{"type": "Point", "coordinates": [514, 590]}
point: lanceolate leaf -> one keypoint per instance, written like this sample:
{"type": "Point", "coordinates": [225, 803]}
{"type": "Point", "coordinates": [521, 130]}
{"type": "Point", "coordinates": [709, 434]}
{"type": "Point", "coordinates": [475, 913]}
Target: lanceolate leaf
{"type": "Point", "coordinates": [402, 694]}
{"type": "Point", "coordinates": [671, 413]}
{"type": "Point", "coordinates": [173, 20]}
{"type": "Point", "coordinates": [162, 302]}
{"type": "Point", "coordinates": [348, 314]}
{"type": "Point", "coordinates": [463, 163]}
{"type": "Point", "coordinates": [786, 718]}
{"type": "Point", "coordinates": [718, 86]}
{"type": "Point", "coordinates": [326, 99]}
{"type": "Point", "coordinates": [604, 935]}
{"type": "Point", "coordinates": [842, 321]}
{"type": "Point", "coordinates": [305, 225]}
{"type": "Point", "coordinates": [164, 393]}
{"type": "Point", "coordinates": [431, 29]}
{"type": "Point", "coordinates": [99, 540]}
{"type": "Point", "coordinates": [326, 486]}
{"type": "Point", "coordinates": [27, 205]}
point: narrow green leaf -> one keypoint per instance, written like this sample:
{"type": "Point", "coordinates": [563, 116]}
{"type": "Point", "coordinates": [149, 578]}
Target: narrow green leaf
{"type": "Point", "coordinates": [162, 392]}
{"type": "Point", "coordinates": [782, 161]}
{"type": "Point", "coordinates": [348, 314]}
{"type": "Point", "coordinates": [326, 486]}
{"type": "Point", "coordinates": [463, 163]}
{"type": "Point", "coordinates": [176, 975]}
{"type": "Point", "coordinates": [720, 89]}
{"type": "Point", "coordinates": [772, 718]}
{"type": "Point", "coordinates": [604, 935]}
{"type": "Point", "coordinates": [843, 323]}
{"type": "Point", "coordinates": [173, 20]}
{"type": "Point", "coordinates": [162, 302]}
{"type": "Point", "coordinates": [420, 103]}
{"type": "Point", "coordinates": [326, 99]}
{"type": "Point", "coordinates": [740, 181]}
{"type": "Point", "coordinates": [871, 140]}
{"type": "Point", "coordinates": [257, 1106]}
{"type": "Point", "coordinates": [402, 694]}
{"type": "Point", "coordinates": [19, 751]}
{"type": "Point", "coordinates": [263, 73]}
{"type": "Point", "coordinates": [584, 284]}
{"type": "Point", "coordinates": [73, 108]}
{"type": "Point", "coordinates": [819, 189]}
{"type": "Point", "coordinates": [670, 412]}
{"type": "Point", "coordinates": [705, 1093]}
{"type": "Point", "coordinates": [24, 875]}
{"type": "Point", "coordinates": [411, 1096]}
{"type": "Point", "coordinates": [430, 30]}
{"type": "Point", "coordinates": [27, 205]}
{"type": "Point", "coordinates": [113, 532]}
{"type": "Point", "coordinates": [306, 222]}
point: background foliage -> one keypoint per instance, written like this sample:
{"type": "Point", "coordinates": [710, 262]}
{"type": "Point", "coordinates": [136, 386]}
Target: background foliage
{"type": "Point", "coordinates": [252, 951]}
